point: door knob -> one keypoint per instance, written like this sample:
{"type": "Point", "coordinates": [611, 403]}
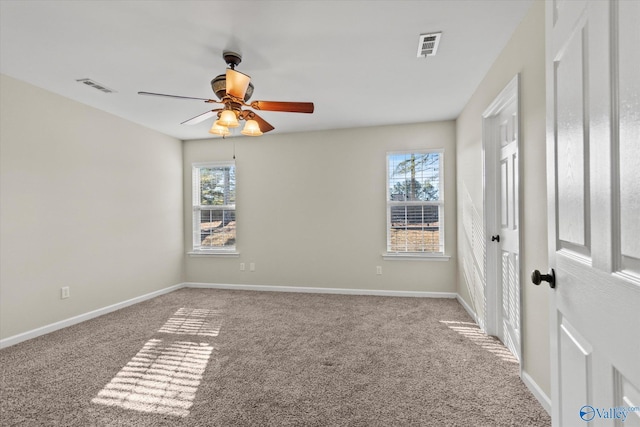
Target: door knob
{"type": "Point", "coordinates": [537, 278]}
{"type": "Point", "coordinates": [495, 238]}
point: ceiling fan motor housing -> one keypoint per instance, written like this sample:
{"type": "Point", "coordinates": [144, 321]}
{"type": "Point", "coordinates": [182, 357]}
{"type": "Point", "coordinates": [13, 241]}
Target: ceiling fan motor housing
{"type": "Point", "coordinates": [219, 83]}
{"type": "Point", "coordinates": [231, 58]}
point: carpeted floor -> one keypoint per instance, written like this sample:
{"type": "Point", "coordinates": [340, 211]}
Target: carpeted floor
{"type": "Point", "coordinates": [204, 357]}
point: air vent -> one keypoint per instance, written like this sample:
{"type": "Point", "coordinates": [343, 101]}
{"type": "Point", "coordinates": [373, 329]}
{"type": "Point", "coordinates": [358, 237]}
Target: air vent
{"type": "Point", "coordinates": [428, 44]}
{"type": "Point", "coordinates": [96, 85]}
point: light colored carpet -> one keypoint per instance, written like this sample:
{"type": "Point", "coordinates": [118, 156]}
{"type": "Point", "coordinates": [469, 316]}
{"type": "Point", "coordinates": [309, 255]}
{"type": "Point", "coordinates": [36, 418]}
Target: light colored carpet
{"type": "Point", "coordinates": [203, 357]}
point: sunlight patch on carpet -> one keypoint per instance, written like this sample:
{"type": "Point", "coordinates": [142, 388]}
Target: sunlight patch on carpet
{"type": "Point", "coordinates": [162, 378]}
{"type": "Point", "coordinates": [471, 331]}
{"type": "Point", "coordinates": [194, 321]}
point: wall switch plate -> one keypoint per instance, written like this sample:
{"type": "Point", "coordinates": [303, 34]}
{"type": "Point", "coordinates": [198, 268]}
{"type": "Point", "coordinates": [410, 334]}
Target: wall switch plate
{"type": "Point", "coordinates": [378, 269]}
{"type": "Point", "coordinates": [252, 266]}
{"type": "Point", "coordinates": [64, 292]}
{"type": "Point", "coordinates": [242, 266]}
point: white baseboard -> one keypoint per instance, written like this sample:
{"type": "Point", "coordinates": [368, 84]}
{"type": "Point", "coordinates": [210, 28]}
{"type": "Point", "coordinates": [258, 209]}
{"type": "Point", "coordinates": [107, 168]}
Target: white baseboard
{"type": "Point", "coordinates": [312, 290]}
{"type": "Point", "coordinates": [466, 306]}
{"type": "Point", "coordinates": [537, 392]}
{"type": "Point", "coordinates": [15, 339]}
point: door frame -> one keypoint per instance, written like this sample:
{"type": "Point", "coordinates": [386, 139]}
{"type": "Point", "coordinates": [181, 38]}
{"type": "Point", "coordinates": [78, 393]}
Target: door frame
{"type": "Point", "coordinates": [491, 208]}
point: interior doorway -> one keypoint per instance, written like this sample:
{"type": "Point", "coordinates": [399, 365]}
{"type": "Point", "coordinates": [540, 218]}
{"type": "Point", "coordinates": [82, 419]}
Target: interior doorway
{"type": "Point", "coordinates": [501, 136]}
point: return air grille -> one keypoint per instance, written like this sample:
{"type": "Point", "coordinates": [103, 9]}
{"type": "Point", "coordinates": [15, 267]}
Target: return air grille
{"type": "Point", "coordinates": [428, 44]}
{"type": "Point", "coordinates": [96, 85]}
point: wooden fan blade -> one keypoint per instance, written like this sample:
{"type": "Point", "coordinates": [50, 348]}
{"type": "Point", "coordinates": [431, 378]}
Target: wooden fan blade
{"type": "Point", "coordinates": [199, 118]}
{"type": "Point", "coordinates": [289, 107]}
{"type": "Point", "coordinates": [236, 83]}
{"type": "Point", "coordinates": [262, 123]}
{"type": "Point", "coordinates": [179, 97]}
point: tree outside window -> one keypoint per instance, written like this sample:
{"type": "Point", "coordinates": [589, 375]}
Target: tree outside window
{"type": "Point", "coordinates": [214, 211]}
{"type": "Point", "coordinates": [414, 202]}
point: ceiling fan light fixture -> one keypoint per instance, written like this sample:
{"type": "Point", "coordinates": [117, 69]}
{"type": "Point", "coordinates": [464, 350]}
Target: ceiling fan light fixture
{"type": "Point", "coordinates": [234, 89]}
{"type": "Point", "coordinates": [219, 86]}
{"type": "Point", "coordinates": [251, 128]}
{"type": "Point", "coordinates": [228, 119]}
{"type": "Point", "coordinates": [216, 129]}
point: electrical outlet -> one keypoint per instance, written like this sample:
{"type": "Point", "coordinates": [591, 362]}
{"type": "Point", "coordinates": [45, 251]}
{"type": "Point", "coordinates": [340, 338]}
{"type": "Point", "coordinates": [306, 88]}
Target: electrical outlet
{"type": "Point", "coordinates": [378, 269]}
{"type": "Point", "coordinates": [252, 266]}
{"type": "Point", "coordinates": [242, 266]}
{"type": "Point", "coordinates": [64, 292]}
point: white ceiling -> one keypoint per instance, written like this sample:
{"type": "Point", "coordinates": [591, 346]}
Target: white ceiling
{"type": "Point", "coordinates": [356, 60]}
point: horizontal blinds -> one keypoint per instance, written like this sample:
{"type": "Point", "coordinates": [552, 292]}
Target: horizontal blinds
{"type": "Point", "coordinates": [415, 202]}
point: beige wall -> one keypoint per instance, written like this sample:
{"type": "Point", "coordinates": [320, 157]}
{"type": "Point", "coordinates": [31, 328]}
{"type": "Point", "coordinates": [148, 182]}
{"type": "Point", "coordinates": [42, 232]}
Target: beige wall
{"type": "Point", "coordinates": [523, 54]}
{"type": "Point", "coordinates": [311, 209]}
{"type": "Point", "coordinates": [77, 184]}
{"type": "Point", "coordinates": [87, 200]}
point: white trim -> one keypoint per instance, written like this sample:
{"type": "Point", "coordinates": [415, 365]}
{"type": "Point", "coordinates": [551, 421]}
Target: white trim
{"type": "Point", "coordinates": [537, 392]}
{"type": "Point", "coordinates": [214, 164]}
{"type": "Point", "coordinates": [197, 208]}
{"type": "Point", "coordinates": [468, 308]}
{"type": "Point", "coordinates": [533, 387]}
{"type": "Point", "coordinates": [34, 333]}
{"type": "Point", "coordinates": [441, 195]}
{"type": "Point", "coordinates": [490, 211]}
{"type": "Point", "coordinates": [414, 257]}
{"type": "Point", "coordinates": [339, 291]}
{"type": "Point", "coordinates": [509, 93]}
{"type": "Point", "coordinates": [491, 208]}
{"type": "Point", "coordinates": [15, 339]}
{"type": "Point", "coordinates": [230, 254]}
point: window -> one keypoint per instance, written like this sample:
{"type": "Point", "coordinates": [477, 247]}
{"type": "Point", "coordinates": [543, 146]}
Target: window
{"type": "Point", "coordinates": [415, 203]}
{"type": "Point", "coordinates": [214, 207]}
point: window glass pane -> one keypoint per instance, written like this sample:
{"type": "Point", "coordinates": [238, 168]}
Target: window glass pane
{"type": "Point", "coordinates": [214, 216]}
{"type": "Point", "coordinates": [217, 186]}
{"type": "Point", "coordinates": [414, 229]}
{"type": "Point", "coordinates": [414, 202]}
{"type": "Point", "coordinates": [414, 177]}
{"type": "Point", "coordinates": [217, 228]}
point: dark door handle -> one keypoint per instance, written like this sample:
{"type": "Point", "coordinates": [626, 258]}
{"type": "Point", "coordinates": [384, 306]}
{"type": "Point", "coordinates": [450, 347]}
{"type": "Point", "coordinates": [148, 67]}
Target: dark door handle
{"type": "Point", "coordinates": [537, 278]}
{"type": "Point", "coordinates": [495, 238]}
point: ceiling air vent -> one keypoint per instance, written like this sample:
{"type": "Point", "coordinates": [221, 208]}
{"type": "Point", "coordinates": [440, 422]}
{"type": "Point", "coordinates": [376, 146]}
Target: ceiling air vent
{"type": "Point", "coordinates": [96, 85]}
{"type": "Point", "coordinates": [428, 44]}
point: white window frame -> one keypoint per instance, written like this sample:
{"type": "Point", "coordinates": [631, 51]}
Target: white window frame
{"type": "Point", "coordinates": [417, 255]}
{"type": "Point", "coordinates": [197, 209]}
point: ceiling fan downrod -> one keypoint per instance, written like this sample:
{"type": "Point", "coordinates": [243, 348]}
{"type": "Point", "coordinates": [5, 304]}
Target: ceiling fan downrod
{"type": "Point", "coordinates": [232, 58]}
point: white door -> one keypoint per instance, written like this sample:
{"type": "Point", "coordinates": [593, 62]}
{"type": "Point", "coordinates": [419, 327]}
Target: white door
{"type": "Point", "coordinates": [593, 168]}
{"type": "Point", "coordinates": [509, 258]}
{"type": "Point", "coordinates": [502, 191]}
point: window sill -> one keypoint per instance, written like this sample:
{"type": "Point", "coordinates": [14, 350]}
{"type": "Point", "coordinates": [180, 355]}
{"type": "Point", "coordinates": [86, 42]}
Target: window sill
{"type": "Point", "coordinates": [414, 256]}
{"type": "Point", "coordinates": [229, 254]}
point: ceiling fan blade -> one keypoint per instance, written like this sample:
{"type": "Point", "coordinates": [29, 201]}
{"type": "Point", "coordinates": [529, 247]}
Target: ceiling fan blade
{"type": "Point", "coordinates": [262, 123]}
{"type": "Point", "coordinates": [199, 118]}
{"type": "Point", "coordinates": [236, 83]}
{"type": "Point", "coordinates": [179, 97]}
{"type": "Point", "coordinates": [289, 107]}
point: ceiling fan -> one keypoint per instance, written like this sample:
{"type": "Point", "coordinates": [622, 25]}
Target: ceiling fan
{"type": "Point", "coordinates": [234, 89]}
